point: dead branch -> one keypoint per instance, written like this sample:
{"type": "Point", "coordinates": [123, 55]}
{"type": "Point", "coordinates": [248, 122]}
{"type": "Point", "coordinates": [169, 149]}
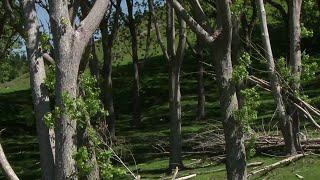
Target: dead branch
{"type": "Point", "coordinates": [175, 173]}
{"type": "Point", "coordinates": [187, 177]}
{"type": "Point", "coordinates": [5, 166]}
{"type": "Point", "coordinates": [276, 165]}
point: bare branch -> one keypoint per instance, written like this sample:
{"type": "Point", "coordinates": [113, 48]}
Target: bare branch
{"type": "Point", "coordinates": [156, 25]}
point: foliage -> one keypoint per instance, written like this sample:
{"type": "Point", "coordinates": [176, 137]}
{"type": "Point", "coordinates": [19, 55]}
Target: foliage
{"type": "Point", "coordinates": [248, 111]}
{"type": "Point", "coordinates": [246, 114]}
{"type": "Point", "coordinates": [309, 66]}
{"type": "Point", "coordinates": [240, 71]}
{"type": "Point", "coordinates": [305, 32]}
{"type": "Point", "coordinates": [81, 156]}
{"type": "Point", "coordinates": [50, 80]}
{"type": "Point", "coordinates": [107, 171]}
{"type": "Point", "coordinates": [250, 146]}
{"type": "Point", "coordinates": [45, 41]}
{"type": "Point", "coordinates": [79, 108]}
{"type": "Point", "coordinates": [285, 71]}
{"type": "Point", "coordinates": [82, 109]}
{"type": "Point", "coordinates": [237, 8]}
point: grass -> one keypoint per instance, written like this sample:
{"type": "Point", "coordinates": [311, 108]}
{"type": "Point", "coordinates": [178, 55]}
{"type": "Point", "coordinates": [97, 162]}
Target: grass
{"type": "Point", "coordinates": [21, 147]}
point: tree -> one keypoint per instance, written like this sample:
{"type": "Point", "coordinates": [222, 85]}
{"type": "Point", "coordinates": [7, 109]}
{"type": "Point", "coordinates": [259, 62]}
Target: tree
{"type": "Point", "coordinates": [220, 42]}
{"type": "Point", "coordinates": [108, 37]}
{"type": "Point", "coordinates": [174, 57]}
{"type": "Point", "coordinates": [70, 42]}
{"type": "Point", "coordinates": [199, 17]}
{"type": "Point", "coordinates": [295, 63]}
{"type": "Point", "coordinates": [285, 120]}
{"type": "Point", "coordinates": [40, 94]}
{"type": "Point", "coordinates": [136, 119]}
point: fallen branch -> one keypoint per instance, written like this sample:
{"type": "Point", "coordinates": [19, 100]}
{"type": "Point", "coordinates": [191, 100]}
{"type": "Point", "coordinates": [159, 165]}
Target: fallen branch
{"type": "Point", "coordinates": [254, 164]}
{"type": "Point", "coordinates": [187, 177]}
{"type": "Point", "coordinates": [223, 169]}
{"type": "Point", "coordinates": [5, 166]}
{"type": "Point", "coordinates": [277, 164]}
{"type": "Point", "coordinates": [175, 173]}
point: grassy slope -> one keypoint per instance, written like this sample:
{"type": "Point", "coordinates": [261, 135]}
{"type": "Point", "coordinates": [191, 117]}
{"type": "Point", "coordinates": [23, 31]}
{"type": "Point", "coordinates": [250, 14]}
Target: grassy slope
{"type": "Point", "coordinates": [21, 147]}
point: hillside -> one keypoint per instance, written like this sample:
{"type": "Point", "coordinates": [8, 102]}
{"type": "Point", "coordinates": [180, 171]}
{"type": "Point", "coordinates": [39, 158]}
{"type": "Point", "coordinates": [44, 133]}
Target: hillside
{"type": "Point", "coordinates": [145, 149]}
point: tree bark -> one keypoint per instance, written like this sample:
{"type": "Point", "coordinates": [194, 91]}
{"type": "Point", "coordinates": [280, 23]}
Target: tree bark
{"type": "Point", "coordinates": [136, 118]}
{"type": "Point", "coordinates": [69, 46]}
{"type": "Point", "coordinates": [107, 81]}
{"type": "Point", "coordinates": [175, 158]}
{"type": "Point", "coordinates": [40, 95]}
{"type": "Point", "coordinates": [236, 51]}
{"type": "Point", "coordinates": [5, 166]}
{"type": "Point", "coordinates": [202, 19]}
{"type": "Point", "coordinates": [107, 43]}
{"type": "Point", "coordinates": [201, 90]}
{"type": "Point", "coordinates": [285, 120]}
{"type": "Point", "coordinates": [295, 63]}
{"type": "Point", "coordinates": [233, 131]}
{"type": "Point", "coordinates": [175, 60]}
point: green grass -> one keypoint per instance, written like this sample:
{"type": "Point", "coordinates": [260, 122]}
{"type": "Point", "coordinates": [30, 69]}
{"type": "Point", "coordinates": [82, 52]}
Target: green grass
{"type": "Point", "coordinates": [20, 144]}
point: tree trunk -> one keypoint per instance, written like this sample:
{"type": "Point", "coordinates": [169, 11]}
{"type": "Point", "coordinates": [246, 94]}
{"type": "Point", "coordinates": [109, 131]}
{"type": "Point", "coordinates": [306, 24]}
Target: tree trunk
{"type": "Point", "coordinates": [94, 63]}
{"type": "Point", "coordinates": [295, 63]}
{"type": "Point", "coordinates": [175, 118]}
{"type": "Point", "coordinates": [285, 120]}
{"type": "Point", "coordinates": [199, 17]}
{"type": "Point", "coordinates": [136, 119]}
{"type": "Point", "coordinates": [201, 91]}
{"type": "Point", "coordinates": [69, 46]}
{"type": "Point", "coordinates": [221, 44]}
{"type": "Point", "coordinates": [40, 95]}
{"type": "Point", "coordinates": [83, 137]}
{"type": "Point", "coordinates": [107, 81]}
{"type": "Point", "coordinates": [236, 52]}
{"type": "Point", "coordinates": [175, 62]}
{"type": "Point", "coordinates": [233, 130]}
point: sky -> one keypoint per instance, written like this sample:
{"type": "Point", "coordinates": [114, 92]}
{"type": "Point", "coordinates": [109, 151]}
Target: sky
{"type": "Point", "coordinates": [44, 17]}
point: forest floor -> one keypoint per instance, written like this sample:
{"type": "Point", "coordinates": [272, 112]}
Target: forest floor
{"type": "Point", "coordinates": [145, 149]}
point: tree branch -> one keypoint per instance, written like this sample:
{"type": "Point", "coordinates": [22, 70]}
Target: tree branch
{"type": "Point", "coordinates": [73, 11]}
{"type": "Point", "coordinates": [92, 21]}
{"type": "Point", "coordinates": [280, 8]}
{"type": "Point", "coordinates": [193, 24]}
{"type": "Point", "coordinates": [8, 8]}
{"type": "Point", "coordinates": [156, 25]}
{"type": "Point", "coordinates": [48, 58]}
